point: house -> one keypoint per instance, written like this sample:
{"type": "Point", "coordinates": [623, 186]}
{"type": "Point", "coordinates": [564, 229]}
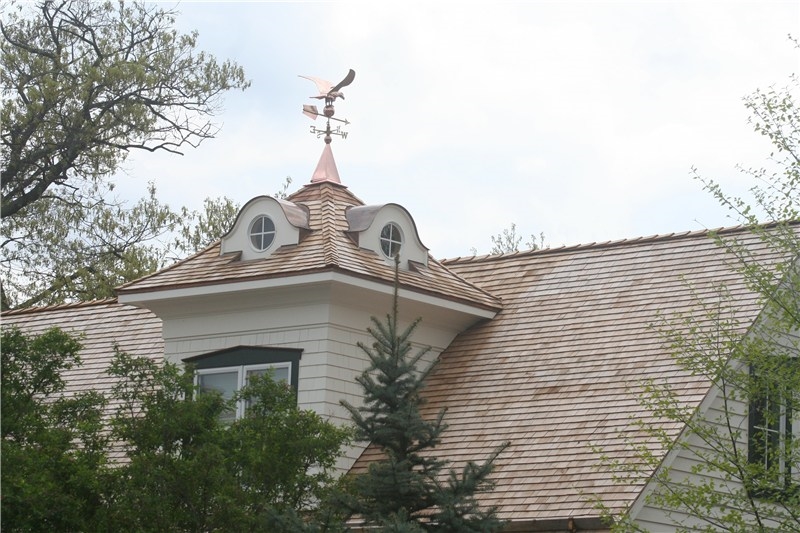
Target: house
{"type": "Point", "coordinates": [544, 349]}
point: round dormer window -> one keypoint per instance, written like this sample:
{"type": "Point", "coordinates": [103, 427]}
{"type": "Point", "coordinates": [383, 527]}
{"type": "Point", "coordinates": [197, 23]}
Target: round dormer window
{"type": "Point", "coordinates": [391, 240]}
{"type": "Point", "coordinates": [262, 232]}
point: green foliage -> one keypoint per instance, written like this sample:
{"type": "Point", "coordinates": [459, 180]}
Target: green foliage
{"type": "Point", "coordinates": [183, 469]}
{"type": "Point", "coordinates": [283, 192]}
{"type": "Point", "coordinates": [68, 252]}
{"type": "Point", "coordinates": [509, 241]}
{"type": "Point", "coordinates": [199, 229]}
{"type": "Point", "coordinates": [71, 251]}
{"type": "Point", "coordinates": [727, 491]}
{"type": "Point", "coordinates": [53, 448]}
{"type": "Point", "coordinates": [284, 455]}
{"type": "Point", "coordinates": [410, 489]}
{"type": "Point", "coordinates": [84, 83]}
{"type": "Point", "coordinates": [194, 473]}
{"type": "Point", "coordinates": [176, 466]}
{"type": "Point", "coordinates": [745, 363]}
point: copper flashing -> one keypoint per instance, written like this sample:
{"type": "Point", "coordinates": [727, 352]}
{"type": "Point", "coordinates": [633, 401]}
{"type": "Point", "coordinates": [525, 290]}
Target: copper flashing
{"type": "Point", "coordinates": [360, 217]}
{"type": "Point", "coordinates": [297, 215]}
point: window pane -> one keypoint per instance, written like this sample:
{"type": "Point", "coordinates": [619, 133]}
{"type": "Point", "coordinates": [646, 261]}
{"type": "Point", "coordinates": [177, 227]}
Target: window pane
{"type": "Point", "coordinates": [259, 372]}
{"type": "Point", "coordinates": [281, 374]}
{"type": "Point", "coordinates": [262, 232]}
{"type": "Point", "coordinates": [224, 383]}
{"type": "Point", "coordinates": [391, 240]}
{"type": "Point", "coordinates": [278, 373]}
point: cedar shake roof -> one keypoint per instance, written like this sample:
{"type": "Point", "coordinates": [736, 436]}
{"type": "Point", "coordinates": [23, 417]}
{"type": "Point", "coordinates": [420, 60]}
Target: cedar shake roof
{"type": "Point", "coordinates": [326, 247]}
{"type": "Point", "coordinates": [100, 326]}
{"type": "Point", "coordinates": [555, 372]}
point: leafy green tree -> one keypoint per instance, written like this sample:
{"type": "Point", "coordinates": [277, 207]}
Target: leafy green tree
{"type": "Point", "coordinates": [285, 459]}
{"type": "Point", "coordinates": [739, 482]}
{"type": "Point", "coordinates": [53, 447]}
{"type": "Point", "coordinates": [83, 252]}
{"type": "Point", "coordinates": [744, 474]}
{"type": "Point", "coordinates": [188, 471]}
{"type": "Point", "coordinates": [410, 489]}
{"type": "Point", "coordinates": [509, 241]}
{"type": "Point", "coordinates": [83, 84]}
{"type": "Point", "coordinates": [176, 476]}
{"type": "Point", "coordinates": [183, 469]}
{"type": "Point", "coordinates": [191, 472]}
{"type": "Point", "coordinates": [198, 229]}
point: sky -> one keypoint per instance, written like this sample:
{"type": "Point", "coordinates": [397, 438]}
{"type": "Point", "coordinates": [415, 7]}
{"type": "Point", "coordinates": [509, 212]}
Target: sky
{"type": "Point", "coordinates": [579, 120]}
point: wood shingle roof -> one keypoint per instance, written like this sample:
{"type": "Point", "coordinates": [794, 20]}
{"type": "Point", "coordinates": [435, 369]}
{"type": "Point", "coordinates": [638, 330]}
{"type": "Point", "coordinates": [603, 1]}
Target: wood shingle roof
{"type": "Point", "coordinates": [557, 370]}
{"type": "Point", "coordinates": [100, 325]}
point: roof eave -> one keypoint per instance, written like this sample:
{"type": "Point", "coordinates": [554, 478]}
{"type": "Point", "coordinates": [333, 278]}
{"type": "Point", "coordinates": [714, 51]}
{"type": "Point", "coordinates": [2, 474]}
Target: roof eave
{"type": "Point", "coordinates": [141, 297]}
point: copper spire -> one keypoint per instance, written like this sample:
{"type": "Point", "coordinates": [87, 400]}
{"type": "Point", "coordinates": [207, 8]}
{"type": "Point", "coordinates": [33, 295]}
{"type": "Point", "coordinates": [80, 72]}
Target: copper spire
{"type": "Point", "coordinates": [326, 168]}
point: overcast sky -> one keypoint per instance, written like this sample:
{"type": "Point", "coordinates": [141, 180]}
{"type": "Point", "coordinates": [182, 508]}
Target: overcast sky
{"type": "Point", "coordinates": [579, 120]}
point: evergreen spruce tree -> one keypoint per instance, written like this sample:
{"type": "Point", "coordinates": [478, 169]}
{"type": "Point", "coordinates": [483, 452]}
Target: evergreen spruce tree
{"type": "Point", "coordinates": [410, 489]}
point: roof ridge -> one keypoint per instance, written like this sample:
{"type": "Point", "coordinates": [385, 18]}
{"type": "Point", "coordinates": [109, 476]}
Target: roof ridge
{"type": "Point", "coordinates": [464, 280]}
{"type": "Point", "coordinates": [56, 307]}
{"type": "Point", "coordinates": [328, 208]}
{"type": "Point", "coordinates": [610, 243]}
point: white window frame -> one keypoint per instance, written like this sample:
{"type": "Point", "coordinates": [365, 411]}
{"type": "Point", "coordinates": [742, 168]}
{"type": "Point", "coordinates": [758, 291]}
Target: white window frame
{"type": "Point", "coordinates": [262, 234]}
{"type": "Point", "coordinates": [780, 430]}
{"type": "Point", "coordinates": [763, 430]}
{"type": "Point", "coordinates": [241, 380]}
{"type": "Point", "coordinates": [395, 238]}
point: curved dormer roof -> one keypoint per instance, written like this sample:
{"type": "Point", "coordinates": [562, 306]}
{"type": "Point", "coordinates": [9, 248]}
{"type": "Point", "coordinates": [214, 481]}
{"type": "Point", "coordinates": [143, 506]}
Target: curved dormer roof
{"type": "Point", "coordinates": [369, 225]}
{"type": "Point", "coordinates": [263, 225]}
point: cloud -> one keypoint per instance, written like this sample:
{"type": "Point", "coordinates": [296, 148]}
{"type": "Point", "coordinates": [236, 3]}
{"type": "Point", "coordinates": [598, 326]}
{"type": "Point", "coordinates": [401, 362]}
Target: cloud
{"type": "Point", "coordinates": [578, 119]}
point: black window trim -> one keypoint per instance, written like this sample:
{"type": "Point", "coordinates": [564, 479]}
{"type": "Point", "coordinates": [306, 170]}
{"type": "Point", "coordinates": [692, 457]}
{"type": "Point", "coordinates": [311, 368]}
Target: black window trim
{"type": "Point", "coordinates": [250, 355]}
{"type": "Point", "coordinates": [786, 486]}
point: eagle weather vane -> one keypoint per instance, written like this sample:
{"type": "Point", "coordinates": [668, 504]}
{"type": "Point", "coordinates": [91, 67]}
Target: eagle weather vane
{"type": "Point", "coordinates": [328, 92]}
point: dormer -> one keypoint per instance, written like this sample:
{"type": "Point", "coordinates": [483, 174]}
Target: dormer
{"type": "Point", "coordinates": [263, 225]}
{"type": "Point", "coordinates": [389, 231]}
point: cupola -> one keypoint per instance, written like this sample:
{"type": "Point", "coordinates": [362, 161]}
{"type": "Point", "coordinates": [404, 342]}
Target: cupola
{"type": "Point", "coordinates": [292, 286]}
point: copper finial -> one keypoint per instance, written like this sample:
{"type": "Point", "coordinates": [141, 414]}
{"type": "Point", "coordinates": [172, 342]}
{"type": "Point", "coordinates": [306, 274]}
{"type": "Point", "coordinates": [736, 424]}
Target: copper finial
{"type": "Point", "coordinates": [329, 92]}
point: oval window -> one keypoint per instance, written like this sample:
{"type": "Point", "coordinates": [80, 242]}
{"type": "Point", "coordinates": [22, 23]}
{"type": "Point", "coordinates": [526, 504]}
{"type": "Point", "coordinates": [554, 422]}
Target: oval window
{"type": "Point", "coordinates": [391, 240]}
{"type": "Point", "coordinates": [262, 232]}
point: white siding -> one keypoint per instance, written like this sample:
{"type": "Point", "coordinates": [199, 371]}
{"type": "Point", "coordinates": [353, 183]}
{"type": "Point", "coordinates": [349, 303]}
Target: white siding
{"type": "Point", "coordinates": [327, 334]}
{"type": "Point", "coordinates": [681, 461]}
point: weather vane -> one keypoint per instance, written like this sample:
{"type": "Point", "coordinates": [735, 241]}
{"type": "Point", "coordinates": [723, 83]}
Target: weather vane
{"type": "Point", "coordinates": [328, 92]}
